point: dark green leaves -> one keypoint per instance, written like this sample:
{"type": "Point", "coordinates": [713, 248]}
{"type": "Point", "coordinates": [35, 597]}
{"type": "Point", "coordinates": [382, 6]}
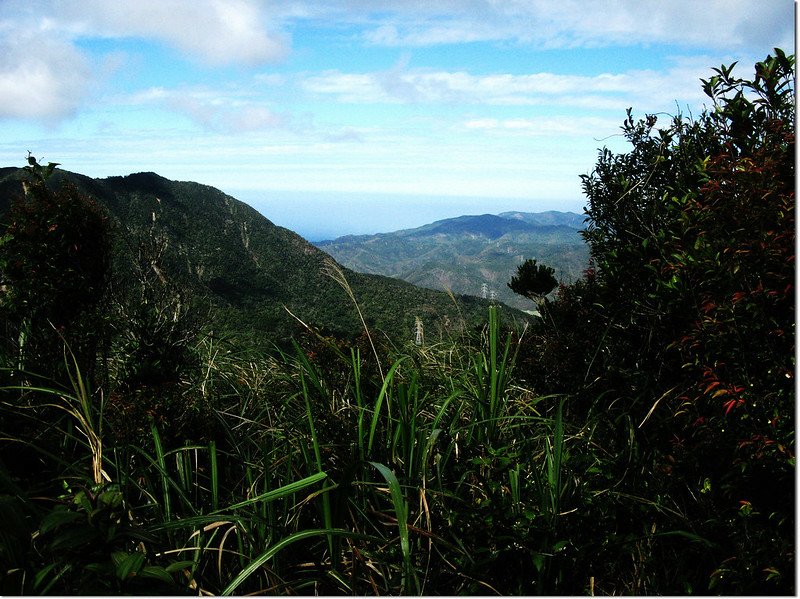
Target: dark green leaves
{"type": "Point", "coordinates": [533, 280]}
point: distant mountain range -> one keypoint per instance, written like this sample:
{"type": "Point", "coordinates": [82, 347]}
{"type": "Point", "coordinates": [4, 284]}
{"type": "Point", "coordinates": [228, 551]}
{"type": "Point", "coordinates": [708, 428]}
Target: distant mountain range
{"type": "Point", "coordinates": [474, 255]}
{"type": "Point", "coordinates": [249, 270]}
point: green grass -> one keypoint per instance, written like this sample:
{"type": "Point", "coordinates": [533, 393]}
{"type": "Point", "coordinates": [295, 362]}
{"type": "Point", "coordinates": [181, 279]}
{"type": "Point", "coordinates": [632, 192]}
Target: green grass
{"type": "Point", "coordinates": [317, 478]}
{"type": "Point", "coordinates": [438, 473]}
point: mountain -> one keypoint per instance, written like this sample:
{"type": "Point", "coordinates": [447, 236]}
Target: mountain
{"type": "Point", "coordinates": [487, 225]}
{"type": "Point", "coordinates": [250, 270]}
{"type": "Point", "coordinates": [465, 253]}
{"type": "Point", "coordinates": [549, 217]}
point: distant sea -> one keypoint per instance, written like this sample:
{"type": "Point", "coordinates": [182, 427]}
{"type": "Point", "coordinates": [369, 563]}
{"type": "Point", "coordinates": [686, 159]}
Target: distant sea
{"type": "Point", "coordinates": [320, 216]}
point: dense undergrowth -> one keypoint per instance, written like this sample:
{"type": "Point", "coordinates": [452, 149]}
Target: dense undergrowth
{"type": "Point", "coordinates": [638, 440]}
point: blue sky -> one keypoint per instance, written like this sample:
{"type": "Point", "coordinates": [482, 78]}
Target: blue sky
{"type": "Point", "coordinates": [335, 117]}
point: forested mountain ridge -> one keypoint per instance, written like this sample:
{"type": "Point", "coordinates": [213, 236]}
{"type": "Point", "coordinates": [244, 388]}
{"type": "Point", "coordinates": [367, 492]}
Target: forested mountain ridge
{"type": "Point", "coordinates": [249, 269]}
{"type": "Point", "coordinates": [549, 217]}
{"type": "Point", "coordinates": [467, 252]}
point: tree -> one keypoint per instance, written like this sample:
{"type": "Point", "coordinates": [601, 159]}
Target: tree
{"type": "Point", "coordinates": [532, 280]}
{"type": "Point", "coordinates": [56, 261]}
{"type": "Point", "coordinates": [690, 350]}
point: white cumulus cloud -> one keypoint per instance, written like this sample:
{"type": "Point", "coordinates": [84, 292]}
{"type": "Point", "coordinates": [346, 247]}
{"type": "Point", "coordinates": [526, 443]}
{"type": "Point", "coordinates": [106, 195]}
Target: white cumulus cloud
{"type": "Point", "coordinates": [544, 126]}
{"type": "Point", "coordinates": [217, 32]}
{"type": "Point", "coordinates": [41, 78]}
{"type": "Point", "coordinates": [46, 75]}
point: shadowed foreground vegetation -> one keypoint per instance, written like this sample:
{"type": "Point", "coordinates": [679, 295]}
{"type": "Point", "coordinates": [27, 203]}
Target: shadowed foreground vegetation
{"type": "Point", "coordinates": [638, 439]}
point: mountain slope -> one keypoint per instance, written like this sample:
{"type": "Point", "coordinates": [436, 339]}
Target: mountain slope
{"type": "Point", "coordinates": [464, 253]}
{"type": "Point", "coordinates": [549, 217]}
{"type": "Point", "coordinates": [251, 270]}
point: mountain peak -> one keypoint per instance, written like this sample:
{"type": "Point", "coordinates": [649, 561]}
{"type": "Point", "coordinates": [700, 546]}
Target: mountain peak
{"type": "Point", "coordinates": [491, 226]}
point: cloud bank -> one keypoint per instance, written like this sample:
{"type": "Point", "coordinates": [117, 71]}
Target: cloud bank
{"type": "Point", "coordinates": [654, 89]}
{"type": "Point", "coordinates": [740, 24]}
{"type": "Point", "coordinates": [46, 73]}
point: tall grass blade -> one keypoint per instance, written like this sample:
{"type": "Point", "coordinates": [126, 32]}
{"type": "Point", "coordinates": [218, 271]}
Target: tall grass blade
{"type": "Point", "coordinates": [493, 373]}
{"type": "Point", "coordinates": [277, 547]}
{"type": "Point", "coordinates": [387, 381]}
{"type": "Point", "coordinates": [401, 512]}
{"type": "Point", "coordinates": [327, 514]}
{"type": "Point", "coordinates": [355, 361]}
{"type": "Point", "coordinates": [164, 477]}
{"type": "Point", "coordinates": [212, 457]}
{"type": "Point", "coordinates": [283, 491]}
{"type": "Point", "coordinates": [554, 461]}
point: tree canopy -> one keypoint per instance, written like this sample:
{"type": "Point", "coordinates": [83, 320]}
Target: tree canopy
{"type": "Point", "coordinates": [55, 263]}
{"type": "Point", "coordinates": [683, 331]}
{"type": "Point", "coordinates": [532, 280]}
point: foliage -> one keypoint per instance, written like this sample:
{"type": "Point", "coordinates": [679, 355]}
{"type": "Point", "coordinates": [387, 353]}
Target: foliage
{"type": "Point", "coordinates": [689, 329]}
{"type": "Point", "coordinates": [533, 280]}
{"type": "Point", "coordinates": [55, 261]}
{"type": "Point", "coordinates": [317, 478]}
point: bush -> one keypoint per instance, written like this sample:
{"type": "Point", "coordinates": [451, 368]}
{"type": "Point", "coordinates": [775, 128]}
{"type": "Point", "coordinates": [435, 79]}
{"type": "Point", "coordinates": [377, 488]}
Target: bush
{"type": "Point", "coordinates": [686, 330]}
{"type": "Point", "coordinates": [55, 261]}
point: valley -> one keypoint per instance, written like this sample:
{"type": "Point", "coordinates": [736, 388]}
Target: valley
{"type": "Point", "coordinates": [471, 255]}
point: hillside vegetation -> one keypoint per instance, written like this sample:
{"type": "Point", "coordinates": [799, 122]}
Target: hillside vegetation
{"type": "Point", "coordinates": [636, 439]}
{"type": "Point", "coordinates": [240, 268]}
{"type": "Point", "coordinates": [465, 253]}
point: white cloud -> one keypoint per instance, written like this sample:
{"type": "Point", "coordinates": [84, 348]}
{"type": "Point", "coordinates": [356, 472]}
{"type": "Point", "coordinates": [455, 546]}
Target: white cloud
{"type": "Point", "coordinates": [253, 118]}
{"type": "Point", "coordinates": [250, 31]}
{"type": "Point", "coordinates": [40, 78]}
{"type": "Point", "coordinates": [577, 126]}
{"type": "Point", "coordinates": [44, 75]}
{"type": "Point", "coordinates": [230, 110]}
{"type": "Point", "coordinates": [739, 24]}
{"type": "Point", "coordinates": [216, 32]}
{"type": "Point", "coordinates": [646, 89]}
{"type": "Point", "coordinates": [352, 88]}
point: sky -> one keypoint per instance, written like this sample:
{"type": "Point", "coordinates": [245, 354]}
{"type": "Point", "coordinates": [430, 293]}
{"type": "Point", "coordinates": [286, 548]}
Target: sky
{"type": "Point", "coordinates": [362, 116]}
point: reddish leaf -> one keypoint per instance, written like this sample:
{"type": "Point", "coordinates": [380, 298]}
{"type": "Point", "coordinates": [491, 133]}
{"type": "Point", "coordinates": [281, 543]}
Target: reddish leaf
{"type": "Point", "coordinates": [738, 296]}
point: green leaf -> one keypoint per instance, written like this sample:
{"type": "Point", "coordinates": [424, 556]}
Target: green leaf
{"type": "Point", "coordinates": [83, 501]}
{"type": "Point", "coordinates": [127, 564]}
{"type": "Point", "coordinates": [538, 561]}
{"type": "Point", "coordinates": [182, 565]}
{"type": "Point", "coordinates": [157, 573]}
{"type": "Point", "coordinates": [111, 499]}
{"type": "Point", "coordinates": [379, 402]}
{"type": "Point", "coordinates": [278, 493]}
{"type": "Point", "coordinates": [400, 511]}
{"type": "Point", "coordinates": [272, 551]}
{"type": "Point", "coordinates": [41, 577]}
{"type": "Point", "coordinates": [58, 518]}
